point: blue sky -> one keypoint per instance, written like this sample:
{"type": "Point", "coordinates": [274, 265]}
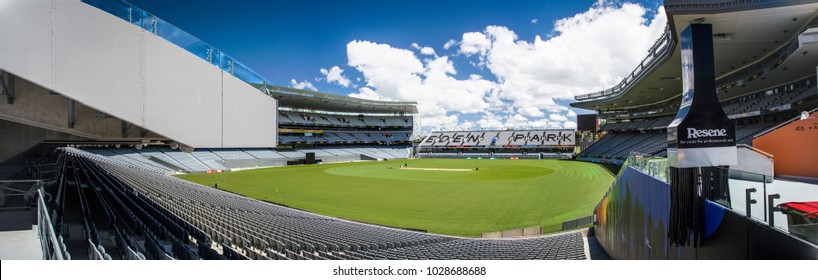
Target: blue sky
{"type": "Point", "coordinates": [469, 64]}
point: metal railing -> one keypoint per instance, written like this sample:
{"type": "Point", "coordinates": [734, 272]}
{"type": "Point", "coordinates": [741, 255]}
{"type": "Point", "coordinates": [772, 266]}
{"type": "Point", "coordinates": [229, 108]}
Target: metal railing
{"type": "Point", "coordinates": [693, 5]}
{"type": "Point", "coordinates": [653, 166]}
{"type": "Point", "coordinates": [52, 245]}
{"type": "Point", "coordinates": [762, 133]}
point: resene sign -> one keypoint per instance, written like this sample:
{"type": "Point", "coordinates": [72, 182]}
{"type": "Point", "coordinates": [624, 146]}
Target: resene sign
{"type": "Point", "coordinates": [701, 134]}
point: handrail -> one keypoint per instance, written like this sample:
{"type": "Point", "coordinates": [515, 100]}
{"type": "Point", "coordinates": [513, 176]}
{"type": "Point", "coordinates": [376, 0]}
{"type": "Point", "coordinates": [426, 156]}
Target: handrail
{"type": "Point", "coordinates": [709, 5]}
{"type": "Point", "coordinates": [52, 247]}
{"type": "Point", "coordinates": [322, 95]}
{"type": "Point", "coordinates": [653, 166]}
{"type": "Point", "coordinates": [782, 124]}
{"type": "Point", "coordinates": [760, 152]}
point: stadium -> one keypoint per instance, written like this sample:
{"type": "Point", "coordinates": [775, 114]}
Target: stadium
{"type": "Point", "coordinates": [129, 160]}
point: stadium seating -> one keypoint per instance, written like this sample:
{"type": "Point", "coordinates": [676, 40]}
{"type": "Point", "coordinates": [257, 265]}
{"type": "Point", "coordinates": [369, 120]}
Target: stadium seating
{"type": "Point", "coordinates": [753, 113]}
{"type": "Point", "coordinates": [618, 145]}
{"type": "Point", "coordinates": [336, 129]}
{"type": "Point", "coordinates": [778, 99]}
{"type": "Point", "coordinates": [165, 160]}
{"type": "Point", "coordinates": [162, 217]}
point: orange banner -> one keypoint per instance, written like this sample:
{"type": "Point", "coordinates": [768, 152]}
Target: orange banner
{"type": "Point", "coordinates": [794, 147]}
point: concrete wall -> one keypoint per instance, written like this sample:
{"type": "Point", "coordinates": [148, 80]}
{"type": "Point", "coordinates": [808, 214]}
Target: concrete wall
{"type": "Point", "coordinates": [25, 27]}
{"type": "Point", "coordinates": [754, 162]}
{"type": "Point", "coordinates": [17, 138]}
{"type": "Point", "coordinates": [336, 159]}
{"type": "Point", "coordinates": [97, 60]}
{"type": "Point", "coordinates": [36, 106]}
{"type": "Point", "coordinates": [243, 111]}
{"type": "Point", "coordinates": [117, 68]}
{"type": "Point", "coordinates": [182, 98]}
{"type": "Point", "coordinates": [521, 232]}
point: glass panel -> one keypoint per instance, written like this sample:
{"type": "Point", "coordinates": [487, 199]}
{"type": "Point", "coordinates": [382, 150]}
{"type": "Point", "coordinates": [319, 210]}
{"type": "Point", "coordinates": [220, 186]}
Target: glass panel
{"type": "Point", "coordinates": [184, 40]}
{"type": "Point", "coordinates": [247, 75]}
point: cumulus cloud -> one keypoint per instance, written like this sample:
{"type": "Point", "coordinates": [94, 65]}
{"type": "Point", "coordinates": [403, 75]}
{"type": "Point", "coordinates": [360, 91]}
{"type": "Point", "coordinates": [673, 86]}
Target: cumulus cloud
{"type": "Point", "coordinates": [427, 51]}
{"type": "Point", "coordinates": [534, 21]}
{"type": "Point", "coordinates": [589, 51]}
{"type": "Point", "coordinates": [302, 85]}
{"type": "Point", "coordinates": [336, 75]}
{"type": "Point", "coordinates": [532, 112]}
{"type": "Point", "coordinates": [474, 43]}
{"type": "Point", "coordinates": [424, 50]}
{"type": "Point", "coordinates": [557, 117]}
{"type": "Point", "coordinates": [397, 74]}
{"type": "Point", "coordinates": [524, 83]}
{"type": "Point", "coordinates": [449, 44]}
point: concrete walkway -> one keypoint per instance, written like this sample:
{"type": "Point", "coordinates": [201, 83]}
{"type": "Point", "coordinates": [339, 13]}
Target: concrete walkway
{"type": "Point", "coordinates": [18, 236]}
{"type": "Point", "coordinates": [20, 245]}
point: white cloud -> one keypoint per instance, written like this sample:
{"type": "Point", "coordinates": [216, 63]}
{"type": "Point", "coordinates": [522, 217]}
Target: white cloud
{"type": "Point", "coordinates": [522, 83]}
{"type": "Point", "coordinates": [302, 85]}
{"type": "Point", "coordinates": [449, 44]}
{"type": "Point", "coordinates": [557, 117]}
{"type": "Point", "coordinates": [534, 21]}
{"type": "Point", "coordinates": [490, 121]}
{"type": "Point", "coordinates": [397, 74]}
{"type": "Point", "coordinates": [589, 51]}
{"type": "Point", "coordinates": [474, 43]}
{"type": "Point", "coordinates": [427, 51]}
{"type": "Point", "coordinates": [424, 50]}
{"type": "Point", "coordinates": [336, 75]}
{"type": "Point", "coordinates": [531, 112]}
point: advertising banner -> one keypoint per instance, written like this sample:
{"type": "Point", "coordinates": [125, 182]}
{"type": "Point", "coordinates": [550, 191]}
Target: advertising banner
{"type": "Point", "coordinates": [701, 134]}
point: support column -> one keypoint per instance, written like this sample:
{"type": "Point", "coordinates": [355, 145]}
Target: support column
{"type": "Point", "coordinates": [71, 110]}
{"type": "Point", "coordinates": [7, 86]}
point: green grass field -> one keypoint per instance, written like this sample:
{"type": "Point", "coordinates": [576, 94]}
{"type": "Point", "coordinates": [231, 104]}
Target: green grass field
{"type": "Point", "coordinates": [501, 195]}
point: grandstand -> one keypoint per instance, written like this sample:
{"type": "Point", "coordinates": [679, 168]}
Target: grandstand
{"type": "Point", "coordinates": [106, 193]}
{"type": "Point", "coordinates": [499, 144]}
{"type": "Point", "coordinates": [142, 214]}
{"type": "Point", "coordinates": [315, 118]}
{"type": "Point", "coordinates": [764, 58]}
{"type": "Point", "coordinates": [758, 88]}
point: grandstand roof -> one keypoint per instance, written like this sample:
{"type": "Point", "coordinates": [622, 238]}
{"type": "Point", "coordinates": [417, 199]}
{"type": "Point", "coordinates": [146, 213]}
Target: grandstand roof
{"type": "Point", "coordinates": [306, 99]}
{"type": "Point", "coordinates": [757, 45]}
